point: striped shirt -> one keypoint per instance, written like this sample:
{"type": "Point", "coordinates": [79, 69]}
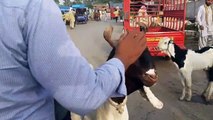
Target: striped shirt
{"type": "Point", "coordinates": [39, 63]}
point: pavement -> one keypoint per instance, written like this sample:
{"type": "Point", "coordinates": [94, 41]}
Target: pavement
{"type": "Point", "coordinates": [89, 39]}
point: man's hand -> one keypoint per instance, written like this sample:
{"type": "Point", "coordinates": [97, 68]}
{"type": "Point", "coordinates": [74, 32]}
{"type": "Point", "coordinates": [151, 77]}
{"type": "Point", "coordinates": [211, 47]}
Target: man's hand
{"type": "Point", "coordinates": [130, 47]}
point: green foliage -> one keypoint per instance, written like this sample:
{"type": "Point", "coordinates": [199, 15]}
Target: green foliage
{"type": "Point", "coordinates": [107, 1]}
{"type": "Point", "coordinates": [101, 1]}
{"type": "Point", "coordinates": [88, 3]}
{"type": "Point", "coordinates": [67, 3]}
{"type": "Point", "coordinates": [77, 2]}
{"type": "Point", "coordinates": [192, 27]}
{"type": "Point", "coordinates": [56, 1]}
{"type": "Point", "coordinates": [117, 1]}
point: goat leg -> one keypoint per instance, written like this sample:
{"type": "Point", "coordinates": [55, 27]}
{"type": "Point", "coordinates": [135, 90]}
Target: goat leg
{"type": "Point", "coordinates": [183, 85]}
{"type": "Point", "coordinates": [206, 95]}
{"type": "Point", "coordinates": [152, 98]}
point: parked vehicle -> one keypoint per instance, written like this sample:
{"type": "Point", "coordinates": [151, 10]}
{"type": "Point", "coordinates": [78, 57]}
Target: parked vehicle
{"type": "Point", "coordinates": [81, 15]}
{"type": "Point", "coordinates": [64, 9]}
{"type": "Point", "coordinates": [166, 18]}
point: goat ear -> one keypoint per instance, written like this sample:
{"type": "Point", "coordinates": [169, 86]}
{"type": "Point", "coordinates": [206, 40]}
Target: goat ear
{"type": "Point", "coordinates": [171, 41]}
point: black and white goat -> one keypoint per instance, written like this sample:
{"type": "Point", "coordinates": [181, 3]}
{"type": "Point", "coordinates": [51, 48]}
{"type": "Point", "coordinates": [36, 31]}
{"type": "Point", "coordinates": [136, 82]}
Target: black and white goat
{"type": "Point", "coordinates": [187, 61]}
{"type": "Point", "coordinates": [139, 76]}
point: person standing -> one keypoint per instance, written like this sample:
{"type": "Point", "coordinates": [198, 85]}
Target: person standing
{"type": "Point", "coordinates": [105, 15]}
{"type": "Point", "coordinates": [205, 23]}
{"type": "Point", "coordinates": [121, 14]}
{"type": "Point", "coordinates": [70, 17]}
{"type": "Point", "coordinates": [116, 13]}
{"type": "Point", "coordinates": [143, 17]}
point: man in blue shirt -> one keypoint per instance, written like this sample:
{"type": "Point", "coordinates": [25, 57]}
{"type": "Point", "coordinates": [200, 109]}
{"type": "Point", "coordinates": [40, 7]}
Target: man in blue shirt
{"type": "Point", "coordinates": [39, 63]}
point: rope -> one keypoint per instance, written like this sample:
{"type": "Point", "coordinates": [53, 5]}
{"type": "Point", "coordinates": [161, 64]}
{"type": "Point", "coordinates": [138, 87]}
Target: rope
{"type": "Point", "coordinates": [119, 107]}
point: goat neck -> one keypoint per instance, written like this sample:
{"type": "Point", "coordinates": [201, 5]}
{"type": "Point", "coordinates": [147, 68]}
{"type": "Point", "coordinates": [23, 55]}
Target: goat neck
{"type": "Point", "coordinates": [146, 60]}
{"type": "Point", "coordinates": [178, 55]}
{"type": "Point", "coordinates": [170, 51]}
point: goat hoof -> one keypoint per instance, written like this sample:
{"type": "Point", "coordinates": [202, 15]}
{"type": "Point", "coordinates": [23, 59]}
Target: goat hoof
{"type": "Point", "coordinates": [207, 100]}
{"type": "Point", "coordinates": [188, 99]}
{"type": "Point", "coordinates": [203, 97]}
{"type": "Point", "coordinates": [181, 98]}
{"type": "Point", "coordinates": [159, 105]}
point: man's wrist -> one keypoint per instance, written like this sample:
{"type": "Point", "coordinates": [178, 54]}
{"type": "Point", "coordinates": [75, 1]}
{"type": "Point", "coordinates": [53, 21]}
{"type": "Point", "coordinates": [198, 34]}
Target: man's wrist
{"type": "Point", "coordinates": [125, 63]}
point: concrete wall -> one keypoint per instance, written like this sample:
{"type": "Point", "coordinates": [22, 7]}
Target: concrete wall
{"type": "Point", "coordinates": [192, 8]}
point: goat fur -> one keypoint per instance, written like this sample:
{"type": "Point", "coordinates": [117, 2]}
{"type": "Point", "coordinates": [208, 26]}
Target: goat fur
{"type": "Point", "coordinates": [187, 61]}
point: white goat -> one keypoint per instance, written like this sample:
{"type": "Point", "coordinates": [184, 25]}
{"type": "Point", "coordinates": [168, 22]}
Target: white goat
{"type": "Point", "coordinates": [111, 110]}
{"type": "Point", "coordinates": [187, 61]}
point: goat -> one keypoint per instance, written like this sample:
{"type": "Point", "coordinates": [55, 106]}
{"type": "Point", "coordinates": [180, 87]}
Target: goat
{"type": "Point", "coordinates": [187, 61]}
{"type": "Point", "coordinates": [138, 76]}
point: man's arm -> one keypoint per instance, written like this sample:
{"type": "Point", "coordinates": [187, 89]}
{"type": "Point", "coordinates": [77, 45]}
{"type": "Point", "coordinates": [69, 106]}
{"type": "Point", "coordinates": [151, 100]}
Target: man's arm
{"type": "Point", "coordinates": [199, 17]}
{"type": "Point", "coordinates": [58, 66]}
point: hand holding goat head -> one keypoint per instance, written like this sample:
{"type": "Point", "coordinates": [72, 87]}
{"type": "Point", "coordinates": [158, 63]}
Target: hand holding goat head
{"type": "Point", "coordinates": [131, 45]}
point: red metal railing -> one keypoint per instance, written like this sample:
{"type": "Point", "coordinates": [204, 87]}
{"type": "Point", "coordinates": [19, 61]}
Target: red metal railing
{"type": "Point", "coordinates": [165, 18]}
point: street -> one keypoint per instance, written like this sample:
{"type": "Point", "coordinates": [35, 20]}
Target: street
{"type": "Point", "coordinates": [89, 39]}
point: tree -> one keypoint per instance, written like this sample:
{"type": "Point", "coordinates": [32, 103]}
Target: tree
{"type": "Point", "coordinates": [107, 1]}
{"type": "Point", "coordinates": [56, 1]}
{"type": "Point", "coordinates": [78, 1]}
{"type": "Point", "coordinates": [67, 3]}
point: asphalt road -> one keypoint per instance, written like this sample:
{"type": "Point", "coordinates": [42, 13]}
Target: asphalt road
{"type": "Point", "coordinates": [89, 39]}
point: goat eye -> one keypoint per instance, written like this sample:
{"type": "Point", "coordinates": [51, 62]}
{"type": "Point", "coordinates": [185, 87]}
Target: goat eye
{"type": "Point", "coordinates": [165, 42]}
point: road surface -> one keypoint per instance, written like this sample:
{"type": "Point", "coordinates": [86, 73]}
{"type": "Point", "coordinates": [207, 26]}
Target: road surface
{"type": "Point", "coordinates": [89, 39]}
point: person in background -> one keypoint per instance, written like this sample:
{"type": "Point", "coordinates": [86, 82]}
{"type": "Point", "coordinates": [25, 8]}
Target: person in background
{"type": "Point", "coordinates": [105, 15]}
{"type": "Point", "coordinates": [97, 15]}
{"type": "Point", "coordinates": [205, 23]}
{"type": "Point", "coordinates": [91, 14]}
{"type": "Point", "coordinates": [116, 13]}
{"type": "Point", "coordinates": [39, 63]}
{"type": "Point", "coordinates": [143, 17]}
{"type": "Point", "coordinates": [121, 14]}
{"type": "Point", "coordinates": [142, 20]}
{"type": "Point", "coordinates": [70, 16]}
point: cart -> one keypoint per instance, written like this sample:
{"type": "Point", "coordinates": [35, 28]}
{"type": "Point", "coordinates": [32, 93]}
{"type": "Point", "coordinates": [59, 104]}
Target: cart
{"type": "Point", "coordinates": [81, 15]}
{"type": "Point", "coordinates": [166, 19]}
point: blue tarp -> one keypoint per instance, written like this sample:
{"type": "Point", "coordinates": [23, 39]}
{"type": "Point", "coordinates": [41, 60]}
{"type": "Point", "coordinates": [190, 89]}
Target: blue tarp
{"type": "Point", "coordinates": [64, 8]}
{"type": "Point", "coordinates": [79, 6]}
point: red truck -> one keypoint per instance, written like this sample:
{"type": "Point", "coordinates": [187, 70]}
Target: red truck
{"type": "Point", "coordinates": [166, 19]}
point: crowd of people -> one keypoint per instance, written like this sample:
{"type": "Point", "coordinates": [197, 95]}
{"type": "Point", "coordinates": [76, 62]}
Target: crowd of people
{"type": "Point", "coordinates": [93, 14]}
{"type": "Point", "coordinates": [107, 14]}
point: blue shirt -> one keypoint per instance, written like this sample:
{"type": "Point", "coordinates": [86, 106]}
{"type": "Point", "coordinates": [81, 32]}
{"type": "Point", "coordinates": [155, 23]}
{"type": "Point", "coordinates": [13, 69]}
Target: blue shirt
{"type": "Point", "coordinates": [39, 62]}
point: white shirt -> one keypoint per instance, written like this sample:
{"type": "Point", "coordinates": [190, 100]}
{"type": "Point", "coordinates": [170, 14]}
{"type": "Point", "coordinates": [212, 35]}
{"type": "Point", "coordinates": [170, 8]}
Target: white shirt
{"type": "Point", "coordinates": [201, 19]}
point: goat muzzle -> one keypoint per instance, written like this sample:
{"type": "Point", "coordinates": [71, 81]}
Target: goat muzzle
{"type": "Point", "coordinates": [149, 80]}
